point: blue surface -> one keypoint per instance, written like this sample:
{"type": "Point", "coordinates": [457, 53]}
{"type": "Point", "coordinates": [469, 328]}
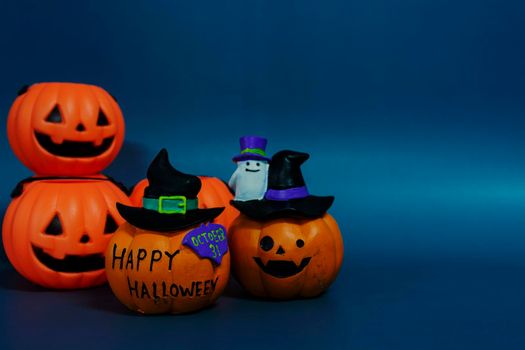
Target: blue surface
{"type": "Point", "coordinates": [412, 111]}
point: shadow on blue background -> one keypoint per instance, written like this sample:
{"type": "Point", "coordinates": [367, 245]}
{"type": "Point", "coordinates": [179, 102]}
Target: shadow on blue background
{"type": "Point", "coordinates": [412, 111]}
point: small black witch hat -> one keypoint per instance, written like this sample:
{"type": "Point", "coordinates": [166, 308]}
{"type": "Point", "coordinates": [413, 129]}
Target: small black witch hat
{"type": "Point", "coordinates": [170, 201]}
{"type": "Point", "coordinates": [287, 195]}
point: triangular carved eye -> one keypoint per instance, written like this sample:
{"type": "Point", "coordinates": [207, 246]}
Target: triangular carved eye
{"type": "Point", "coordinates": [111, 226]}
{"type": "Point", "coordinates": [55, 227]}
{"type": "Point", "coordinates": [102, 119]}
{"type": "Point", "coordinates": [54, 116]}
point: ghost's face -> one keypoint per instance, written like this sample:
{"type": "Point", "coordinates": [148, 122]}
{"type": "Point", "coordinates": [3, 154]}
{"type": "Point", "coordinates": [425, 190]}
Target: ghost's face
{"type": "Point", "coordinates": [252, 166]}
{"type": "Point", "coordinates": [250, 180]}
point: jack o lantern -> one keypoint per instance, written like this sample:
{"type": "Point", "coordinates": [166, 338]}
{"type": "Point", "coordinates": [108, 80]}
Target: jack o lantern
{"type": "Point", "coordinates": [214, 193]}
{"type": "Point", "coordinates": [65, 128]}
{"type": "Point", "coordinates": [166, 258]}
{"type": "Point", "coordinates": [286, 258]}
{"type": "Point", "coordinates": [286, 245]}
{"type": "Point", "coordinates": [155, 273]}
{"type": "Point", "coordinates": [56, 232]}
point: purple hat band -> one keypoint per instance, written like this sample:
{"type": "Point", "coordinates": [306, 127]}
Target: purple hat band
{"type": "Point", "coordinates": [284, 195]}
{"type": "Point", "coordinates": [250, 156]}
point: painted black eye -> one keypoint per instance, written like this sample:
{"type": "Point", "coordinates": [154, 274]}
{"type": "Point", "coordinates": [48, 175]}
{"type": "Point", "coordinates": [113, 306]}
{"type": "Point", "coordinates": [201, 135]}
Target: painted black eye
{"type": "Point", "coordinates": [258, 164]}
{"type": "Point", "coordinates": [247, 163]}
{"type": "Point", "coordinates": [300, 243]}
{"type": "Point", "coordinates": [102, 119]}
{"type": "Point", "coordinates": [111, 226]}
{"type": "Point", "coordinates": [55, 227]}
{"type": "Point", "coordinates": [54, 116]}
{"type": "Point", "coordinates": [266, 243]}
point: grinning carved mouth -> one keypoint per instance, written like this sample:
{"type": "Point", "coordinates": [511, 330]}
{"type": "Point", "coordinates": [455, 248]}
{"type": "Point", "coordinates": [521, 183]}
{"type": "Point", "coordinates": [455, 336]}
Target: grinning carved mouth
{"type": "Point", "coordinates": [75, 149]}
{"type": "Point", "coordinates": [282, 268]}
{"type": "Point", "coordinates": [71, 263]}
{"type": "Point", "coordinates": [253, 171]}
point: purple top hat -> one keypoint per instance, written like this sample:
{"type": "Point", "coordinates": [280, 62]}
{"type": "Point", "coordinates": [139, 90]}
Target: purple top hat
{"type": "Point", "coordinates": [252, 147]}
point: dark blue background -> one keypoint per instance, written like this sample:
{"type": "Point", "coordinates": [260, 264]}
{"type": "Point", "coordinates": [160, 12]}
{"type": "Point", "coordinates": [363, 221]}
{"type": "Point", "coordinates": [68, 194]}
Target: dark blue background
{"type": "Point", "coordinates": [412, 111]}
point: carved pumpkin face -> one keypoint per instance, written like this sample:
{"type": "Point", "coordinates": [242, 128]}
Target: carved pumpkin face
{"type": "Point", "coordinates": [152, 272]}
{"type": "Point", "coordinates": [286, 258]}
{"type": "Point", "coordinates": [214, 193]}
{"type": "Point", "coordinates": [55, 234]}
{"type": "Point", "coordinates": [65, 128]}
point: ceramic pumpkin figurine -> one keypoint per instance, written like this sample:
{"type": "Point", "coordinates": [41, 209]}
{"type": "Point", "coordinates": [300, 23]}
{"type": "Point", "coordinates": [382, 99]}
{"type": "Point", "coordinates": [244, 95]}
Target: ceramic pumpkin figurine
{"type": "Point", "coordinates": [286, 245]}
{"type": "Point", "coordinates": [55, 232]}
{"type": "Point", "coordinates": [167, 258]}
{"type": "Point", "coordinates": [65, 128]}
{"type": "Point", "coordinates": [214, 193]}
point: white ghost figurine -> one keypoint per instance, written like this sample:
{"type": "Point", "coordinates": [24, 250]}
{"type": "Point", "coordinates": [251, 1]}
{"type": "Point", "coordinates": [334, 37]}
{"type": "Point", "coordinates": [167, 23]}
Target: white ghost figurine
{"type": "Point", "coordinates": [250, 180]}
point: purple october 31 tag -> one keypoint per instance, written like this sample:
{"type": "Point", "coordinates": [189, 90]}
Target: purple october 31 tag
{"type": "Point", "coordinates": [208, 241]}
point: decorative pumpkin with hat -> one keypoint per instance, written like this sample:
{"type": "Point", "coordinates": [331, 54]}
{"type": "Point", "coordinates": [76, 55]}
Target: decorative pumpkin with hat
{"type": "Point", "coordinates": [168, 258]}
{"type": "Point", "coordinates": [286, 245]}
{"type": "Point", "coordinates": [250, 179]}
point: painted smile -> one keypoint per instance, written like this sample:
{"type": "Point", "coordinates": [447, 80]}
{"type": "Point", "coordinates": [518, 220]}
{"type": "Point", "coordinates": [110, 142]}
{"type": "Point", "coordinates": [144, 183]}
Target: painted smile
{"type": "Point", "coordinates": [75, 149]}
{"type": "Point", "coordinates": [282, 268]}
{"type": "Point", "coordinates": [71, 263]}
{"type": "Point", "coordinates": [253, 171]}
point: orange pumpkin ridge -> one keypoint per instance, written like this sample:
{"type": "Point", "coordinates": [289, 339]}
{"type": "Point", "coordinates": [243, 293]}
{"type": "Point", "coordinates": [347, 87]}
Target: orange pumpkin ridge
{"type": "Point", "coordinates": [65, 129]}
{"type": "Point", "coordinates": [56, 232]}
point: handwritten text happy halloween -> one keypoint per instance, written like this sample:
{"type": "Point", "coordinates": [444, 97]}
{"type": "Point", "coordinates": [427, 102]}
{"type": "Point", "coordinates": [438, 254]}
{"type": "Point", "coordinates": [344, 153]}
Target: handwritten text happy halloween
{"type": "Point", "coordinates": [157, 290]}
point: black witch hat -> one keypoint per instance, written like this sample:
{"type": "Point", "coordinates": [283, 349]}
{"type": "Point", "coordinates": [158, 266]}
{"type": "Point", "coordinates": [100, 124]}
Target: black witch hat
{"type": "Point", "coordinates": [287, 195]}
{"type": "Point", "coordinates": [170, 201]}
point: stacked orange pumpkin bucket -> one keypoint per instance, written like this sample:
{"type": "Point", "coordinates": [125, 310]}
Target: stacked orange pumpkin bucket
{"type": "Point", "coordinates": [59, 222]}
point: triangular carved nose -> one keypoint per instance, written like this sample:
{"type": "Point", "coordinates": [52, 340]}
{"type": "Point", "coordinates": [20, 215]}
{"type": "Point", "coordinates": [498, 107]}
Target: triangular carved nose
{"type": "Point", "coordinates": [81, 127]}
{"type": "Point", "coordinates": [84, 239]}
{"type": "Point", "coordinates": [280, 251]}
